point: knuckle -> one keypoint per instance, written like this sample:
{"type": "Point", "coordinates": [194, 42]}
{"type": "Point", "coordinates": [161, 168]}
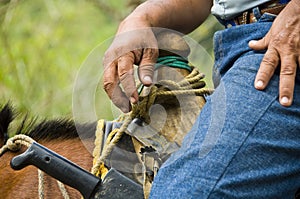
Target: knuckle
{"type": "Point", "coordinates": [137, 54]}
{"type": "Point", "coordinates": [262, 73]}
{"type": "Point", "coordinates": [286, 42]}
{"type": "Point", "coordinates": [286, 90]}
{"type": "Point", "coordinates": [106, 59]}
{"type": "Point", "coordinates": [150, 53]}
{"type": "Point", "coordinates": [293, 40]}
{"type": "Point", "coordinates": [270, 62]}
{"type": "Point", "coordinates": [291, 44]}
{"type": "Point", "coordinates": [109, 56]}
{"type": "Point", "coordinates": [149, 56]}
{"type": "Point", "coordinates": [147, 69]}
{"type": "Point", "coordinates": [108, 86]}
{"type": "Point", "coordinates": [287, 70]}
{"type": "Point", "coordinates": [275, 41]}
{"type": "Point", "coordinates": [125, 75]}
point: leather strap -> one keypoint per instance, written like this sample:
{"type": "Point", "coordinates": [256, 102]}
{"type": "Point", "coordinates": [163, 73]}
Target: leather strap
{"type": "Point", "coordinates": [248, 17]}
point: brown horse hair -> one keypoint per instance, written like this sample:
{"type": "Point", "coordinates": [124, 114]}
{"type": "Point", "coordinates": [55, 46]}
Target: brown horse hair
{"type": "Point", "coordinates": [59, 135]}
{"type": "Point", "coordinates": [45, 130]}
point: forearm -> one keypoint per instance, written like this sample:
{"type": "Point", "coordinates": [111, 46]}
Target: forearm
{"type": "Point", "coordinates": [180, 15]}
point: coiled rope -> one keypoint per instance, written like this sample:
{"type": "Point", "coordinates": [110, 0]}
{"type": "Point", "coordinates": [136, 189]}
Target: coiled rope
{"type": "Point", "coordinates": [192, 84]}
{"type": "Point", "coordinates": [173, 61]}
{"type": "Point", "coordinates": [14, 144]}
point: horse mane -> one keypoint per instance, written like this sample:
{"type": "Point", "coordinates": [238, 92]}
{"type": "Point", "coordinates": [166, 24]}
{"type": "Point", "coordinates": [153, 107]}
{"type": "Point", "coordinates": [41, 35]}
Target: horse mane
{"type": "Point", "coordinates": [46, 130]}
{"type": "Point", "coordinates": [6, 117]}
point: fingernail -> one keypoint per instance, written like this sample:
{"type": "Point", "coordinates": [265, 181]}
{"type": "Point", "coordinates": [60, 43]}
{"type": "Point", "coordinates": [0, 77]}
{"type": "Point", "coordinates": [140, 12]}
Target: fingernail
{"type": "Point", "coordinates": [148, 79]}
{"type": "Point", "coordinates": [285, 100]}
{"type": "Point", "coordinates": [259, 84]}
{"type": "Point", "coordinates": [133, 100]}
{"type": "Point", "coordinates": [252, 42]}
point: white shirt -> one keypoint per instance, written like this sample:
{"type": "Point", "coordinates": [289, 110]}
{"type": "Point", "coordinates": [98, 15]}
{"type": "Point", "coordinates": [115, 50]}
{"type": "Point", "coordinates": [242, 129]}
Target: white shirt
{"type": "Point", "coordinates": [227, 9]}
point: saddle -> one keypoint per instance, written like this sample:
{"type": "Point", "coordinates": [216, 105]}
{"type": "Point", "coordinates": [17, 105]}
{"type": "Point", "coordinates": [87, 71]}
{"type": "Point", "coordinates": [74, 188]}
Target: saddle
{"type": "Point", "coordinates": [157, 125]}
{"type": "Point", "coordinates": [130, 150]}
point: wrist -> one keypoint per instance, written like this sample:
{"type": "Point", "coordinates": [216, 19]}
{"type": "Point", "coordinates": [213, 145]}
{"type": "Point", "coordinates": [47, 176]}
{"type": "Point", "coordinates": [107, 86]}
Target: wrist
{"type": "Point", "coordinates": [132, 23]}
{"type": "Point", "coordinates": [139, 18]}
{"type": "Point", "coordinates": [150, 14]}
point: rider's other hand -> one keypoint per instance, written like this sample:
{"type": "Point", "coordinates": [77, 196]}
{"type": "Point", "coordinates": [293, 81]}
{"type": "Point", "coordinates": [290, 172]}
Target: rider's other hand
{"type": "Point", "coordinates": [283, 49]}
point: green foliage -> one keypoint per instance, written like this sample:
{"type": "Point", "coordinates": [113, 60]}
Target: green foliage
{"type": "Point", "coordinates": [44, 42]}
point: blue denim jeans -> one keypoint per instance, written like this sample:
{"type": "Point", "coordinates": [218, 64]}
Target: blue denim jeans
{"type": "Point", "coordinates": [244, 144]}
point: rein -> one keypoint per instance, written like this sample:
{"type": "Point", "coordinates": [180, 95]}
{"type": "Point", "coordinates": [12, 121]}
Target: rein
{"type": "Point", "coordinates": [14, 144]}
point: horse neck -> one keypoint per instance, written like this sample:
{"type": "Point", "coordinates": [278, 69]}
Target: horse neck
{"type": "Point", "coordinates": [175, 115]}
{"type": "Point", "coordinates": [24, 183]}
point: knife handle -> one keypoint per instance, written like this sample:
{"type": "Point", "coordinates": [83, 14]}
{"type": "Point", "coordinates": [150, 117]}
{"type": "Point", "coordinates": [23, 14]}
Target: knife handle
{"type": "Point", "coordinates": [58, 167]}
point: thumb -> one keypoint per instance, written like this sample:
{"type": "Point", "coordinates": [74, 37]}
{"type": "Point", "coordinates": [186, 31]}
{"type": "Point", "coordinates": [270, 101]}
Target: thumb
{"type": "Point", "coordinates": [261, 44]}
{"type": "Point", "coordinates": [146, 68]}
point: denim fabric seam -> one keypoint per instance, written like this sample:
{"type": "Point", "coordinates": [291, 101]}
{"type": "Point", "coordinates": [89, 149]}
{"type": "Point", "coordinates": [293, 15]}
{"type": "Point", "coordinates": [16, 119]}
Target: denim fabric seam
{"type": "Point", "coordinates": [242, 144]}
{"type": "Point", "coordinates": [219, 56]}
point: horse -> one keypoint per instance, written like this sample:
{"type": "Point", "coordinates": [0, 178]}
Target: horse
{"type": "Point", "coordinates": [58, 135]}
{"type": "Point", "coordinates": [173, 114]}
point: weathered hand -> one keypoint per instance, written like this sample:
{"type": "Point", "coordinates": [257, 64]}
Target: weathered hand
{"type": "Point", "coordinates": [134, 43]}
{"type": "Point", "coordinates": [283, 49]}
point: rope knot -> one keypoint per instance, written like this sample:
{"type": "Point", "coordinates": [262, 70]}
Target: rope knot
{"type": "Point", "coordinates": [12, 145]}
{"type": "Point", "coordinates": [141, 110]}
{"type": "Point", "coordinates": [15, 143]}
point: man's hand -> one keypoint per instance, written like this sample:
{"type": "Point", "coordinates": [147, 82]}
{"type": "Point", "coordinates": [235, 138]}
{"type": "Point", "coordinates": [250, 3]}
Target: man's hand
{"type": "Point", "coordinates": [135, 43]}
{"type": "Point", "coordinates": [130, 46]}
{"type": "Point", "coordinates": [283, 49]}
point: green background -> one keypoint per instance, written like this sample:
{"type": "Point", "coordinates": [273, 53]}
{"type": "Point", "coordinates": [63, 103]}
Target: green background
{"type": "Point", "coordinates": [43, 44]}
